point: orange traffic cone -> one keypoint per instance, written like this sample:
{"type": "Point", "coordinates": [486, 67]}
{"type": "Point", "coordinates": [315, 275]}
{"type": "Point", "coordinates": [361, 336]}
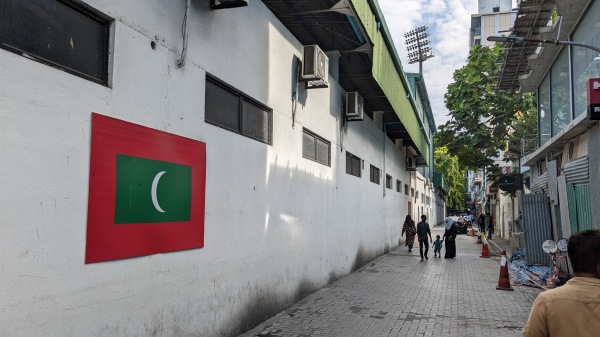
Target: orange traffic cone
{"type": "Point", "coordinates": [484, 251]}
{"type": "Point", "coordinates": [479, 239]}
{"type": "Point", "coordinates": [504, 278]}
{"type": "Point", "coordinates": [472, 231]}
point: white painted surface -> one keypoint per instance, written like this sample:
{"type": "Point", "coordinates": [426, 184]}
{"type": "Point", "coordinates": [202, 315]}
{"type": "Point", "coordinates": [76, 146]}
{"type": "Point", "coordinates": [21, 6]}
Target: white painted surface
{"type": "Point", "coordinates": [276, 224]}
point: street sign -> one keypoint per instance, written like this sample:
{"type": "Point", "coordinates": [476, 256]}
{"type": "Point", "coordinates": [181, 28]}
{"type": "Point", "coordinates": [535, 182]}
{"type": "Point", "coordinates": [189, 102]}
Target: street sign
{"type": "Point", "coordinates": [506, 183]}
{"type": "Point", "coordinates": [593, 93]}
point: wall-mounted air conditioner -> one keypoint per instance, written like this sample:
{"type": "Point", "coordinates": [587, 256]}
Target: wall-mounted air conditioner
{"type": "Point", "coordinates": [315, 67]}
{"type": "Point", "coordinates": [220, 4]}
{"type": "Point", "coordinates": [411, 165]}
{"type": "Point", "coordinates": [354, 106]}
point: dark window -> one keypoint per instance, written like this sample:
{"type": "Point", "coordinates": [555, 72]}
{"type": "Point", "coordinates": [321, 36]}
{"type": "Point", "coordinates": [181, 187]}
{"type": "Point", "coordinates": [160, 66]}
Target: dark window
{"type": "Point", "coordinates": [496, 9]}
{"type": "Point", "coordinates": [406, 189]}
{"type": "Point", "coordinates": [412, 192]}
{"type": "Point", "coordinates": [388, 181]}
{"type": "Point", "coordinates": [398, 185]}
{"type": "Point", "coordinates": [58, 33]}
{"type": "Point", "coordinates": [352, 164]}
{"type": "Point", "coordinates": [231, 109]}
{"type": "Point", "coordinates": [315, 148]}
{"type": "Point", "coordinates": [374, 175]}
{"type": "Point", "coordinates": [417, 195]}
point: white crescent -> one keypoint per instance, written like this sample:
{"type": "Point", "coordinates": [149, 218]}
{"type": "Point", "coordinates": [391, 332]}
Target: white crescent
{"type": "Point", "coordinates": [153, 191]}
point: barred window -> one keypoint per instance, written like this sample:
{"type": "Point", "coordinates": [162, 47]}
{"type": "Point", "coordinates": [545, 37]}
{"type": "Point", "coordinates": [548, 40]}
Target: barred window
{"type": "Point", "coordinates": [316, 148]}
{"type": "Point", "coordinates": [375, 173]}
{"type": "Point", "coordinates": [62, 34]}
{"type": "Point", "coordinates": [352, 164]}
{"type": "Point", "coordinates": [235, 111]}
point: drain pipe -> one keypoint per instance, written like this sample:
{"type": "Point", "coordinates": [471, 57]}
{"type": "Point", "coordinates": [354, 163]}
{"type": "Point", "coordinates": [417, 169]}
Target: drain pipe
{"type": "Point", "coordinates": [181, 61]}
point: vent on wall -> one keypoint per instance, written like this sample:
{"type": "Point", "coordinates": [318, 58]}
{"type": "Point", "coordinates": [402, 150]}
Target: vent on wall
{"type": "Point", "coordinates": [354, 106]}
{"type": "Point", "coordinates": [315, 67]}
{"type": "Point", "coordinates": [220, 4]}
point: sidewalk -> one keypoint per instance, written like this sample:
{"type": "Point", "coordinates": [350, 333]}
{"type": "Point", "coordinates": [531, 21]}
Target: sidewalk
{"type": "Point", "coordinates": [397, 295]}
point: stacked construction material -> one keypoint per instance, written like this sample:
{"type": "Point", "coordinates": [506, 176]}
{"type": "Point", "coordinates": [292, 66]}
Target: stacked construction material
{"type": "Point", "coordinates": [533, 276]}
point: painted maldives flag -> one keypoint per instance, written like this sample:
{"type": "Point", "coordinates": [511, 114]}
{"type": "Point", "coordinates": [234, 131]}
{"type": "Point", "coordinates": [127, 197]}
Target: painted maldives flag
{"type": "Point", "coordinates": [139, 192]}
{"type": "Point", "coordinates": [146, 191]}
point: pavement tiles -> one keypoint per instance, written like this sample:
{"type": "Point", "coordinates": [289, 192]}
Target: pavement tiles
{"type": "Point", "coordinates": [398, 295]}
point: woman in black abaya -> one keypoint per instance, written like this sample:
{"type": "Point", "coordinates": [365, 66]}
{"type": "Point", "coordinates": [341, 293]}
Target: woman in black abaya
{"type": "Point", "coordinates": [449, 239]}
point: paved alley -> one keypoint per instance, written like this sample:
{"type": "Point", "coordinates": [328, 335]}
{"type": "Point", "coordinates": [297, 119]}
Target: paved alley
{"type": "Point", "coordinates": [397, 295]}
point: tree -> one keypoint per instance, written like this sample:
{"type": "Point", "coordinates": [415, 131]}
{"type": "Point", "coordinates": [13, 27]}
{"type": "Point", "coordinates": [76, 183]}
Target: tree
{"type": "Point", "coordinates": [482, 118]}
{"type": "Point", "coordinates": [448, 165]}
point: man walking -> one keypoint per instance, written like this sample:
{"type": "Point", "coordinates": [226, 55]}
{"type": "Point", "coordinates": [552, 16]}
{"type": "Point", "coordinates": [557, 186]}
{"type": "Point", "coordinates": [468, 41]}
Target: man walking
{"type": "Point", "coordinates": [422, 232]}
{"type": "Point", "coordinates": [573, 309]}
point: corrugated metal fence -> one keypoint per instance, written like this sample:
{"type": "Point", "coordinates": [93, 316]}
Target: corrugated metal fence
{"type": "Point", "coordinates": [536, 223]}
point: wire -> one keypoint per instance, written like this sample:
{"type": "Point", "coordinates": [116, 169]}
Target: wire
{"type": "Point", "coordinates": [181, 61]}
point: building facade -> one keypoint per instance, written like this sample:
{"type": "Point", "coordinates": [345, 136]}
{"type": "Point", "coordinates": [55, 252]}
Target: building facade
{"type": "Point", "coordinates": [300, 167]}
{"type": "Point", "coordinates": [564, 165]}
{"type": "Point", "coordinates": [494, 17]}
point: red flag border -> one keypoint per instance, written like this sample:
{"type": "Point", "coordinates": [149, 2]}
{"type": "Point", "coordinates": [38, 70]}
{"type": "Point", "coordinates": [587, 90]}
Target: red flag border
{"type": "Point", "coordinates": [108, 241]}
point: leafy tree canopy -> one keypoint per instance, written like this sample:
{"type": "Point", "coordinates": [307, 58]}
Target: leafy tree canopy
{"type": "Point", "coordinates": [454, 175]}
{"type": "Point", "coordinates": [483, 119]}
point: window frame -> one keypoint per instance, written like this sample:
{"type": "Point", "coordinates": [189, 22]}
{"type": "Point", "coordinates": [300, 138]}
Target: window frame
{"type": "Point", "coordinates": [316, 138]}
{"type": "Point", "coordinates": [351, 157]}
{"type": "Point", "coordinates": [372, 171]}
{"type": "Point", "coordinates": [242, 97]}
{"type": "Point", "coordinates": [398, 185]}
{"type": "Point", "coordinates": [388, 181]}
{"type": "Point", "coordinates": [107, 39]}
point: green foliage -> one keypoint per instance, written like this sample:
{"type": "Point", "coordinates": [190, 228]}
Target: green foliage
{"type": "Point", "coordinates": [483, 119]}
{"type": "Point", "coordinates": [453, 173]}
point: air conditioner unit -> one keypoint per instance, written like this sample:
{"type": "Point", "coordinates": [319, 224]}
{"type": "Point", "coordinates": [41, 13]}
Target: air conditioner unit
{"type": "Point", "coordinates": [315, 67]}
{"type": "Point", "coordinates": [354, 106]}
{"type": "Point", "coordinates": [410, 164]}
{"type": "Point", "coordinates": [220, 4]}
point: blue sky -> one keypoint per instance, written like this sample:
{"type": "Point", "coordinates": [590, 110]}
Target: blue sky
{"type": "Point", "coordinates": [449, 23]}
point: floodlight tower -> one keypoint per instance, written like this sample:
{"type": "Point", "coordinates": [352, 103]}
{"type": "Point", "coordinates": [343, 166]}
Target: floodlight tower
{"type": "Point", "coordinates": [417, 45]}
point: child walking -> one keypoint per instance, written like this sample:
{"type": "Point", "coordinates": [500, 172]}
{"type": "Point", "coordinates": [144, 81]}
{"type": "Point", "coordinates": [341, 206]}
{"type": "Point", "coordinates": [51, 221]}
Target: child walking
{"type": "Point", "coordinates": [437, 247]}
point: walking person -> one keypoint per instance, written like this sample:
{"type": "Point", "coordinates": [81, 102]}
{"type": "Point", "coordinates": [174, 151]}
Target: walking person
{"type": "Point", "coordinates": [437, 246]}
{"type": "Point", "coordinates": [410, 230]}
{"type": "Point", "coordinates": [488, 223]}
{"type": "Point", "coordinates": [490, 228]}
{"type": "Point", "coordinates": [422, 232]}
{"type": "Point", "coordinates": [574, 308]}
{"type": "Point", "coordinates": [481, 222]}
{"type": "Point", "coordinates": [450, 239]}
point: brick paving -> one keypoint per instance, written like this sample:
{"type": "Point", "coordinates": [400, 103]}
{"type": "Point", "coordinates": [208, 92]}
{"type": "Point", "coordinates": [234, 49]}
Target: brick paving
{"type": "Point", "coordinates": [398, 295]}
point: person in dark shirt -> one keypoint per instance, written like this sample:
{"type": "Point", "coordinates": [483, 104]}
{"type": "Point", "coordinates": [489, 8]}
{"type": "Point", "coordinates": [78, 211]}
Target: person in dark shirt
{"type": "Point", "coordinates": [422, 232]}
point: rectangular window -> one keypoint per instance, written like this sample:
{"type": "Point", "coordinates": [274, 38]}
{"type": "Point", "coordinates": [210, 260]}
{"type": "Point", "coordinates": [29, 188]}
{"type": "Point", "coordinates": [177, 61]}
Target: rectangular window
{"type": "Point", "coordinates": [585, 63]}
{"type": "Point", "coordinates": [62, 34]}
{"type": "Point", "coordinates": [560, 93]}
{"type": "Point", "coordinates": [398, 185]}
{"type": "Point", "coordinates": [412, 192]}
{"type": "Point", "coordinates": [417, 195]}
{"type": "Point", "coordinates": [388, 181]}
{"type": "Point", "coordinates": [352, 164]}
{"type": "Point", "coordinates": [374, 175]}
{"type": "Point", "coordinates": [231, 109]}
{"type": "Point", "coordinates": [315, 148]}
{"type": "Point", "coordinates": [406, 189]}
{"type": "Point", "coordinates": [544, 111]}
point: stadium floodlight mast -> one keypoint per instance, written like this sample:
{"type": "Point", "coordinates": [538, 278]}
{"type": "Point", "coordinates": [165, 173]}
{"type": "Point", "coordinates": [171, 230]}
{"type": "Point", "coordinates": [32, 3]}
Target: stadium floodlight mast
{"type": "Point", "coordinates": [516, 39]}
{"type": "Point", "coordinates": [417, 45]}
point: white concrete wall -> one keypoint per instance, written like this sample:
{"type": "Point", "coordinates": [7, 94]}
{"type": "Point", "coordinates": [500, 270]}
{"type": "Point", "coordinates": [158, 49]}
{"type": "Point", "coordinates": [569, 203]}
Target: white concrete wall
{"type": "Point", "coordinates": [277, 226]}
